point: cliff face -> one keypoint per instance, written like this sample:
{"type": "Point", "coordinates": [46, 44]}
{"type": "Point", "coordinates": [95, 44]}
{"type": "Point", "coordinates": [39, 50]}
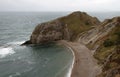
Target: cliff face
{"type": "Point", "coordinates": [50, 31]}
{"type": "Point", "coordinates": [108, 52]}
{"type": "Point", "coordinates": [67, 28]}
{"type": "Point", "coordinates": [103, 29]}
{"type": "Point", "coordinates": [105, 41]}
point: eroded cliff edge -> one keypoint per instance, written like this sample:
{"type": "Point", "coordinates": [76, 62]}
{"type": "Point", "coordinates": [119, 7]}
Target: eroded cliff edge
{"type": "Point", "coordinates": [64, 28]}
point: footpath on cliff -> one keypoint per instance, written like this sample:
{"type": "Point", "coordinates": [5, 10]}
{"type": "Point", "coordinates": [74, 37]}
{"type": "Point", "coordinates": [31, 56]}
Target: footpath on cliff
{"type": "Point", "coordinates": [84, 64]}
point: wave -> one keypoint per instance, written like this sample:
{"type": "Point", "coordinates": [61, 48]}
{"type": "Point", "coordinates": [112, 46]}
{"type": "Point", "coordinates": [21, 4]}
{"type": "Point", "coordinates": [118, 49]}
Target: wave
{"type": "Point", "coordinates": [16, 43]}
{"type": "Point", "coordinates": [71, 67]}
{"type": "Point", "coordinates": [16, 74]}
{"type": "Point", "coordinates": [6, 51]}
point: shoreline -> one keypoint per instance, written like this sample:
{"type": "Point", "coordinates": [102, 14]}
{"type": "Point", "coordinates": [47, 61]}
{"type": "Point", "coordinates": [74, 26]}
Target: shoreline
{"type": "Point", "coordinates": [84, 64]}
{"type": "Point", "coordinates": [63, 42]}
{"type": "Point", "coordinates": [70, 69]}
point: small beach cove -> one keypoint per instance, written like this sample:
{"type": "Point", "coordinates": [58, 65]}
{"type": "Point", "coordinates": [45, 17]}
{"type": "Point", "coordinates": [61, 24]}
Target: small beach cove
{"type": "Point", "coordinates": [29, 61]}
{"type": "Point", "coordinates": [84, 63]}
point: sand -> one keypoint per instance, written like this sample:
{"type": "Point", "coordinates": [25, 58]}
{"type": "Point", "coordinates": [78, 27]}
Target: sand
{"type": "Point", "coordinates": [84, 63]}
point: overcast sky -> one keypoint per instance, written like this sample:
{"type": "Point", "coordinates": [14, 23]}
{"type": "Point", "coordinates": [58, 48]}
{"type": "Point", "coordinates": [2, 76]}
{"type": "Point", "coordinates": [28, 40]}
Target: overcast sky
{"type": "Point", "coordinates": [60, 5]}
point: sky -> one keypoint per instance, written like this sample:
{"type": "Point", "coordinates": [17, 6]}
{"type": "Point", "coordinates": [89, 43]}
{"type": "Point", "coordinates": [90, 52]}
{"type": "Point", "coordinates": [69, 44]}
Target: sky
{"type": "Point", "coordinates": [60, 5]}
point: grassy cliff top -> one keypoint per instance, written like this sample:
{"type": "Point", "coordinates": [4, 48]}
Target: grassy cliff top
{"type": "Point", "coordinates": [76, 23]}
{"type": "Point", "coordinates": [79, 22]}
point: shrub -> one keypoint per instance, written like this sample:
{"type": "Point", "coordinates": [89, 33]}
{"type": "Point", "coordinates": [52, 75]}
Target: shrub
{"type": "Point", "coordinates": [108, 43]}
{"type": "Point", "coordinates": [117, 42]}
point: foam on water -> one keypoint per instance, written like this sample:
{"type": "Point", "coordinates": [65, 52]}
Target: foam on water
{"type": "Point", "coordinates": [6, 51]}
{"type": "Point", "coordinates": [16, 74]}
{"type": "Point", "coordinates": [70, 69]}
{"type": "Point", "coordinates": [16, 42]}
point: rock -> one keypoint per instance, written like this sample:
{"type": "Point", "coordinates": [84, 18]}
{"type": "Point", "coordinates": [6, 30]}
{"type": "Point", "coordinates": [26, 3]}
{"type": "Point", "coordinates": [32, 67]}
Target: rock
{"type": "Point", "coordinates": [114, 72]}
{"type": "Point", "coordinates": [27, 43]}
{"type": "Point", "coordinates": [47, 32]}
{"type": "Point", "coordinates": [63, 28]}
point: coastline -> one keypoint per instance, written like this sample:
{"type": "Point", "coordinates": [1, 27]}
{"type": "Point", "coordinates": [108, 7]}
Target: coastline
{"type": "Point", "coordinates": [84, 64]}
{"type": "Point", "coordinates": [63, 42]}
{"type": "Point", "coordinates": [70, 69]}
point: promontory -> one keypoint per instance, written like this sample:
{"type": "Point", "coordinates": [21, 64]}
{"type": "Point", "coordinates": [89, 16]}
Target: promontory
{"type": "Point", "coordinates": [95, 44]}
{"type": "Point", "coordinates": [64, 28]}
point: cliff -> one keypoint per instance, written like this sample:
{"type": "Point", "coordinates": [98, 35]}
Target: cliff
{"type": "Point", "coordinates": [104, 41]}
{"type": "Point", "coordinates": [101, 38]}
{"type": "Point", "coordinates": [108, 52]}
{"type": "Point", "coordinates": [64, 28]}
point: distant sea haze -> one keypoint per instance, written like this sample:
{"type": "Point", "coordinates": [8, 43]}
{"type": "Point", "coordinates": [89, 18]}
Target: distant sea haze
{"type": "Point", "coordinates": [49, 60]}
{"type": "Point", "coordinates": [104, 15]}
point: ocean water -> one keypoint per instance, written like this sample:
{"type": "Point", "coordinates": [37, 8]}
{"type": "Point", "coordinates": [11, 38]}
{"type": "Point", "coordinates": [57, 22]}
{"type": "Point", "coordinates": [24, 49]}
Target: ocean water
{"type": "Point", "coordinates": [50, 60]}
{"type": "Point", "coordinates": [104, 15]}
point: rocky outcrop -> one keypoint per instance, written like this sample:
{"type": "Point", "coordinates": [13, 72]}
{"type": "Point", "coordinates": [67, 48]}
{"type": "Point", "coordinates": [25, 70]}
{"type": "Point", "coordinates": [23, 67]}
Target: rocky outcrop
{"type": "Point", "coordinates": [115, 72]}
{"type": "Point", "coordinates": [104, 40]}
{"type": "Point", "coordinates": [100, 31]}
{"type": "Point", "coordinates": [50, 31]}
{"type": "Point", "coordinates": [67, 28]}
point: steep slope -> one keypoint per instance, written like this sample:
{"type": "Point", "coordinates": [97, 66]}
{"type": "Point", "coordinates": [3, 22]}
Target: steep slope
{"type": "Point", "coordinates": [104, 40]}
{"type": "Point", "coordinates": [79, 22]}
{"type": "Point", "coordinates": [67, 28]}
{"type": "Point", "coordinates": [108, 52]}
{"type": "Point", "coordinates": [91, 36]}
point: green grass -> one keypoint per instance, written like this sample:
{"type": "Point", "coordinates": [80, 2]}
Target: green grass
{"type": "Point", "coordinates": [104, 51]}
{"type": "Point", "coordinates": [78, 23]}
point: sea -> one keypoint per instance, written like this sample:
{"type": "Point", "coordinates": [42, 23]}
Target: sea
{"type": "Point", "coordinates": [47, 60]}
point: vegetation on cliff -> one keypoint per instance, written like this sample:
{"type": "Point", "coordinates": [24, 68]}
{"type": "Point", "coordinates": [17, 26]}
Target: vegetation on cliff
{"type": "Point", "coordinates": [64, 28]}
{"type": "Point", "coordinates": [108, 52]}
{"type": "Point", "coordinates": [79, 22]}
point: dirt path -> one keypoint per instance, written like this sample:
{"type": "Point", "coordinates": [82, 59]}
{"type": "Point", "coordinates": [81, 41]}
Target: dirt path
{"type": "Point", "coordinates": [84, 65]}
